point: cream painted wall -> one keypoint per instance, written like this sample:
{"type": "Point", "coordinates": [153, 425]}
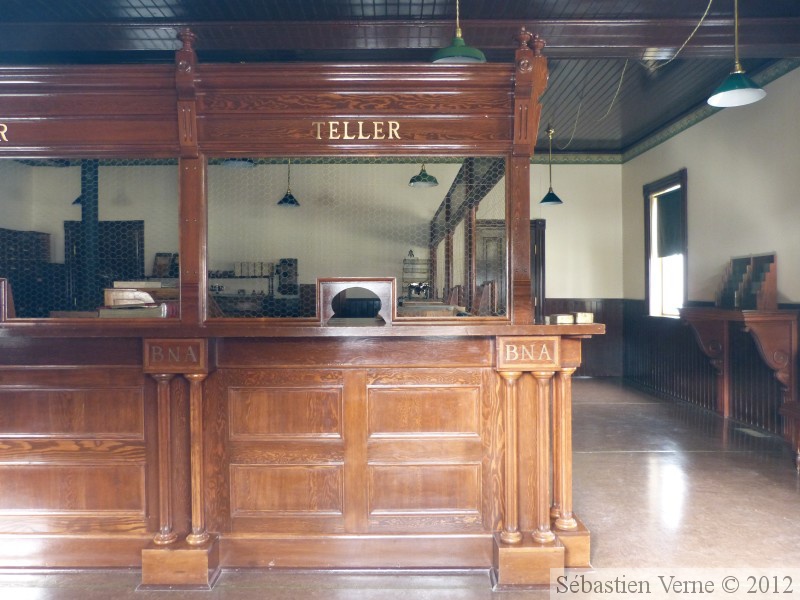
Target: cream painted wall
{"type": "Point", "coordinates": [583, 236]}
{"type": "Point", "coordinates": [743, 192]}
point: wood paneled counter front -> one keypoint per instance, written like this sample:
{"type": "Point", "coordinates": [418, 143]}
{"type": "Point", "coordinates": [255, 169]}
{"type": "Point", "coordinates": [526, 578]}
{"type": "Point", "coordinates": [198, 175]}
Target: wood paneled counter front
{"type": "Point", "coordinates": [185, 445]}
{"type": "Point", "coordinates": [336, 452]}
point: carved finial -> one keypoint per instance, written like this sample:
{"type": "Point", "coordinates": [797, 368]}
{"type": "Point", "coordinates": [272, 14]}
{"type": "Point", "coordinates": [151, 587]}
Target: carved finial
{"type": "Point", "coordinates": [523, 37]}
{"type": "Point", "coordinates": [187, 37]}
{"type": "Point", "coordinates": [538, 45]}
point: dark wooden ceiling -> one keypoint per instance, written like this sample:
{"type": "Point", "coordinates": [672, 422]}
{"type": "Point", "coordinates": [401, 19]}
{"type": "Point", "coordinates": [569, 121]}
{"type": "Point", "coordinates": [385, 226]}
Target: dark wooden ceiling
{"type": "Point", "coordinates": [611, 82]}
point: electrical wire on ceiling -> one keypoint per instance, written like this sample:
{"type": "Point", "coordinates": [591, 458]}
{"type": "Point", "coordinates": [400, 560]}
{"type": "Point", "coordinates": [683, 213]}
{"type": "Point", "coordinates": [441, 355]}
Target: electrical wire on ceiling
{"type": "Point", "coordinates": [619, 87]}
{"type": "Point", "coordinates": [622, 76]}
{"type": "Point", "coordinates": [691, 35]}
{"type": "Point", "coordinates": [574, 126]}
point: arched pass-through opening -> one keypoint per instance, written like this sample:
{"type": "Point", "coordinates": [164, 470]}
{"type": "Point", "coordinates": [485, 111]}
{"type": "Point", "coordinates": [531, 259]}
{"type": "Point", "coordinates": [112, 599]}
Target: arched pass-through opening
{"type": "Point", "coordinates": [356, 303]}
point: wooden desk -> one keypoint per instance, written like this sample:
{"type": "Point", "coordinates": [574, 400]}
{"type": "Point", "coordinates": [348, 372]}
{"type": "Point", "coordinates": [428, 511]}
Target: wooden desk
{"type": "Point", "coordinates": [775, 334]}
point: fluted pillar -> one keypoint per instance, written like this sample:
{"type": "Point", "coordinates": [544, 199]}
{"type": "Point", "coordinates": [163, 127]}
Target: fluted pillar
{"type": "Point", "coordinates": [562, 451]}
{"type": "Point", "coordinates": [542, 532]}
{"type": "Point", "coordinates": [199, 535]}
{"type": "Point", "coordinates": [511, 533]}
{"type": "Point", "coordinates": [166, 534]}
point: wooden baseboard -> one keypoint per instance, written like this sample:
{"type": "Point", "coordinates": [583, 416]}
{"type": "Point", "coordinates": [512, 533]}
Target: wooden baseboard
{"type": "Point", "coordinates": [71, 552]}
{"type": "Point", "coordinates": [358, 552]}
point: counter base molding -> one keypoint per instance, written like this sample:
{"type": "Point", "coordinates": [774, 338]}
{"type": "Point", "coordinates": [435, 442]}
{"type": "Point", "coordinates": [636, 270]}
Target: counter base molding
{"type": "Point", "coordinates": [181, 566]}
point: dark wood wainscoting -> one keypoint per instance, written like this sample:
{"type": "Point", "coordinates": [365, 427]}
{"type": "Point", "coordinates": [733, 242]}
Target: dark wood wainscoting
{"type": "Point", "coordinates": [601, 356]}
{"type": "Point", "coordinates": [662, 356]}
{"type": "Point", "coordinates": [755, 393]}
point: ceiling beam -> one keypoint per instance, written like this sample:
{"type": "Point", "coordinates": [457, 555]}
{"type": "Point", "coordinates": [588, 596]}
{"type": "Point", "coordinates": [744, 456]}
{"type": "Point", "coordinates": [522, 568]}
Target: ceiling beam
{"type": "Point", "coordinates": [758, 37]}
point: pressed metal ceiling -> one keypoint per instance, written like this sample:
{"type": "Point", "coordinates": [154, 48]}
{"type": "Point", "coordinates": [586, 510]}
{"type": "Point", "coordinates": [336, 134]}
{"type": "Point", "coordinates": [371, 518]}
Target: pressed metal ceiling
{"type": "Point", "coordinates": [611, 82]}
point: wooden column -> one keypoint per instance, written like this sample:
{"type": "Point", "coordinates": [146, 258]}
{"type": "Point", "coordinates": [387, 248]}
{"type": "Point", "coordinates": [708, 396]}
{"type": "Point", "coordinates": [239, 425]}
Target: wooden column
{"type": "Point", "coordinates": [542, 533]}
{"type": "Point", "coordinates": [199, 535]}
{"type": "Point", "coordinates": [193, 189]}
{"type": "Point", "coordinates": [165, 534]}
{"type": "Point", "coordinates": [529, 83]}
{"type": "Point", "coordinates": [561, 509]}
{"type": "Point", "coordinates": [193, 562]}
{"type": "Point", "coordinates": [511, 533]}
{"type": "Point", "coordinates": [522, 556]}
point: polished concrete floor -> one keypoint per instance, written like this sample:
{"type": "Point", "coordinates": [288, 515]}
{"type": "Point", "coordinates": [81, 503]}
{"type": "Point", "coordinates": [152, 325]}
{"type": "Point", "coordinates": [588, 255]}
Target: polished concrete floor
{"type": "Point", "coordinates": [658, 484]}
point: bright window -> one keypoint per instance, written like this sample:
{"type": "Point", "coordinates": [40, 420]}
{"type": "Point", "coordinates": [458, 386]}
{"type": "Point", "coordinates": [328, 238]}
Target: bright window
{"type": "Point", "coordinates": [666, 247]}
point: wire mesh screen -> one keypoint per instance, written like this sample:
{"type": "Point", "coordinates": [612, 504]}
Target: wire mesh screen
{"type": "Point", "coordinates": [277, 225]}
{"type": "Point", "coordinates": [90, 238]}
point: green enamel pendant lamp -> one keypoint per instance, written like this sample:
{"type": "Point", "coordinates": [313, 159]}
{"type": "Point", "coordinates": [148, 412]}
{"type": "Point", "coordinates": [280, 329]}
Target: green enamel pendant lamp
{"type": "Point", "coordinates": [737, 89]}
{"type": "Point", "coordinates": [458, 51]}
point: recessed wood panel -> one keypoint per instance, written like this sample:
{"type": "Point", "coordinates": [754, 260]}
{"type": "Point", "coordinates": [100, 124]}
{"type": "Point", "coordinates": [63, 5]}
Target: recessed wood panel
{"type": "Point", "coordinates": [424, 489]}
{"type": "Point", "coordinates": [81, 105]}
{"type": "Point", "coordinates": [411, 411]}
{"type": "Point", "coordinates": [286, 489]}
{"type": "Point", "coordinates": [322, 354]}
{"type": "Point", "coordinates": [269, 413]}
{"type": "Point", "coordinates": [96, 413]}
{"type": "Point", "coordinates": [388, 377]}
{"type": "Point", "coordinates": [425, 449]}
{"type": "Point", "coordinates": [281, 451]}
{"type": "Point", "coordinates": [354, 103]}
{"type": "Point", "coordinates": [72, 488]}
{"type": "Point", "coordinates": [155, 133]}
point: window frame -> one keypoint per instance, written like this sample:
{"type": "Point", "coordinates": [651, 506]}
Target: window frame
{"type": "Point", "coordinates": [679, 178]}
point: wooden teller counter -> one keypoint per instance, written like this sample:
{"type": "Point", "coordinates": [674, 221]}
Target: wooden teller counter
{"type": "Point", "coordinates": [232, 334]}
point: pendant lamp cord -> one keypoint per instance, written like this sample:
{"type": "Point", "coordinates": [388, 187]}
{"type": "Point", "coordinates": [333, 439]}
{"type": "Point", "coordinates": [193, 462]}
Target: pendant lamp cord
{"type": "Point", "coordinates": [289, 177]}
{"type": "Point", "coordinates": [737, 66]}
{"type": "Point", "coordinates": [458, 21]}
{"type": "Point", "coordinates": [550, 132]}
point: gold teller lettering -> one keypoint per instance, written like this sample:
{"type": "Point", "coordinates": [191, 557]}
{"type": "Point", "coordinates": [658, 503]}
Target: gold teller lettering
{"type": "Point", "coordinates": [3, 131]}
{"type": "Point", "coordinates": [356, 130]}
